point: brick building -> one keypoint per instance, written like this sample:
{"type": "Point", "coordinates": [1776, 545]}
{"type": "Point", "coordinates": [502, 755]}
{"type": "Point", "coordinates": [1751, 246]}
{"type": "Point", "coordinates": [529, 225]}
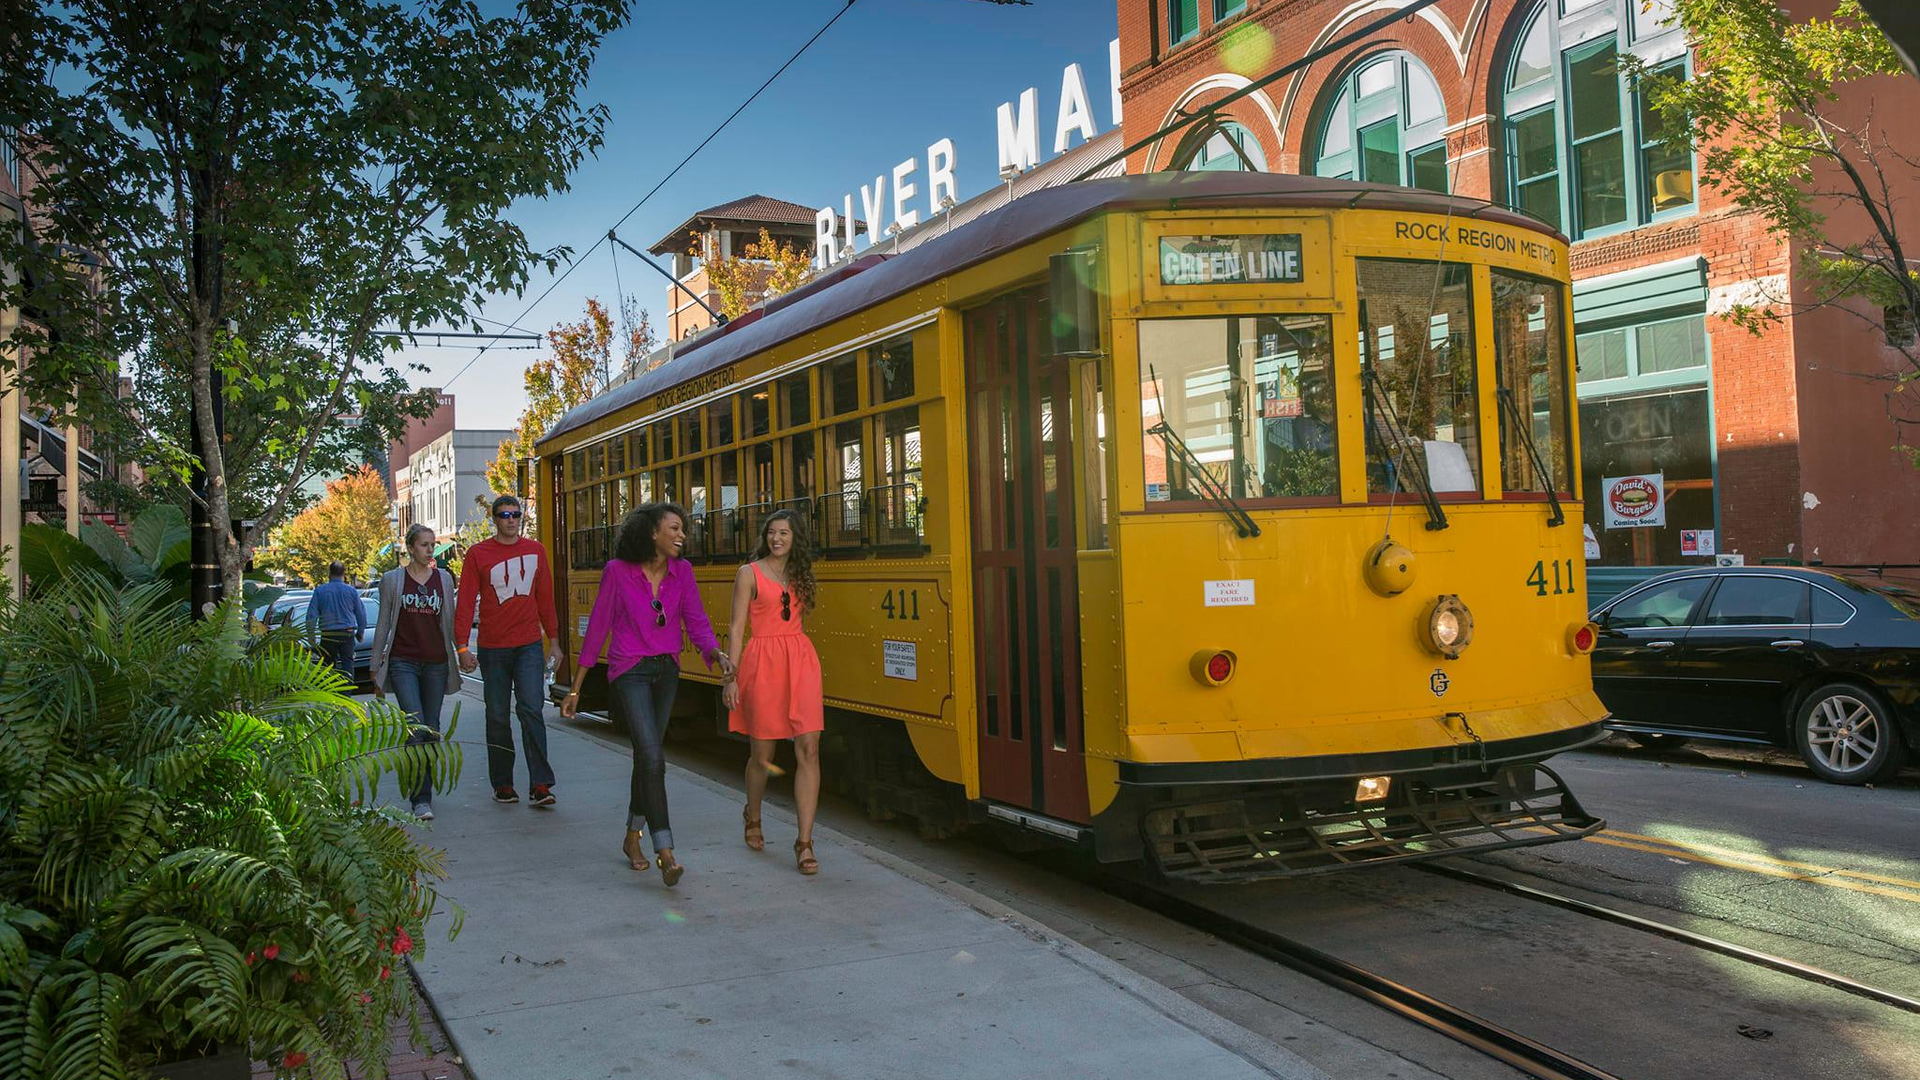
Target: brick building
{"type": "Point", "coordinates": [724, 230]}
{"type": "Point", "coordinates": [1776, 446]}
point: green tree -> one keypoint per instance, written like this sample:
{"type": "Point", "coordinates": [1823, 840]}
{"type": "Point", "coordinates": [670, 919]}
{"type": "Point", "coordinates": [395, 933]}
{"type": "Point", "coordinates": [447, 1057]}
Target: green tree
{"type": "Point", "coordinates": [266, 190]}
{"type": "Point", "coordinates": [1784, 118]}
{"type": "Point", "coordinates": [348, 525]}
{"type": "Point", "coordinates": [579, 365]}
{"type": "Point", "coordinates": [761, 271]}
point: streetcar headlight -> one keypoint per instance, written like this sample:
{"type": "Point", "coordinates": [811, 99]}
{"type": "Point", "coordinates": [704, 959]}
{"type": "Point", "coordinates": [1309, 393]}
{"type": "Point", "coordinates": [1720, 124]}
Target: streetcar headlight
{"type": "Point", "coordinates": [1449, 626]}
{"type": "Point", "coordinates": [1213, 667]}
{"type": "Point", "coordinates": [1372, 788]}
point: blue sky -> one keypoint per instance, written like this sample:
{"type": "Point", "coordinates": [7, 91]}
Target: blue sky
{"type": "Point", "coordinates": [891, 77]}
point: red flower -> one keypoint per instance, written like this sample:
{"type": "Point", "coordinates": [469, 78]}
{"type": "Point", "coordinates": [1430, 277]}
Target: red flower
{"type": "Point", "coordinates": [384, 972]}
{"type": "Point", "coordinates": [271, 951]}
{"type": "Point", "coordinates": [301, 976]}
{"type": "Point", "coordinates": [402, 943]}
{"type": "Point", "coordinates": [250, 959]}
{"type": "Point", "coordinates": [294, 1059]}
{"type": "Point", "coordinates": [366, 999]}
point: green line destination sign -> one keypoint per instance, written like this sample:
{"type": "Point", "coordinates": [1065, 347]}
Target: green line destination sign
{"type": "Point", "coordinates": [1248, 259]}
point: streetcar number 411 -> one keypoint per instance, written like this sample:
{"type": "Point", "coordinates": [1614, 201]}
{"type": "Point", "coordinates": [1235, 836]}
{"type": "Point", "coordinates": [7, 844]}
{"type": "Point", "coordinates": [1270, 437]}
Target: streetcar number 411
{"type": "Point", "coordinates": [1563, 581]}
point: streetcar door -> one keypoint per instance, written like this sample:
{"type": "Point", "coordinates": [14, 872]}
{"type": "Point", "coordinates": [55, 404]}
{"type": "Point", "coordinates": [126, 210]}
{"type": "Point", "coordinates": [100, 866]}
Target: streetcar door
{"type": "Point", "coordinates": [1025, 579]}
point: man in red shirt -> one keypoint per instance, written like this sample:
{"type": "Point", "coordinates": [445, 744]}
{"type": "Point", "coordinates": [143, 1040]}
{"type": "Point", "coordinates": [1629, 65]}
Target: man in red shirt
{"type": "Point", "coordinates": [510, 579]}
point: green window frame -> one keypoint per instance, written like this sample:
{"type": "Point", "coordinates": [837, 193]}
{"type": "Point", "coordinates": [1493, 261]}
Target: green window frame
{"type": "Point", "coordinates": [1226, 8]}
{"type": "Point", "coordinates": [1583, 151]}
{"type": "Point", "coordinates": [1647, 355]}
{"type": "Point", "coordinates": [1213, 149]}
{"type": "Point", "coordinates": [1385, 123]}
{"type": "Point", "coordinates": [1183, 20]}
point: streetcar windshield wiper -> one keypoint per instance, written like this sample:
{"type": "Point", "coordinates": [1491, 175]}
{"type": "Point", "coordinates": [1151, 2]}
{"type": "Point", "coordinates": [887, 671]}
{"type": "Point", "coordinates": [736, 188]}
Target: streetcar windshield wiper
{"type": "Point", "coordinates": [1510, 410]}
{"type": "Point", "coordinates": [1381, 419]}
{"type": "Point", "coordinates": [1177, 449]}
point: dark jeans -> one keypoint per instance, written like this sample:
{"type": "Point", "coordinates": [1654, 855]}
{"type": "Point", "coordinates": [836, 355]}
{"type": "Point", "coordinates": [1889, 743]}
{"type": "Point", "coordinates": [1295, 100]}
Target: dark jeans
{"type": "Point", "coordinates": [337, 647]}
{"type": "Point", "coordinates": [419, 687]}
{"type": "Point", "coordinates": [642, 698]}
{"type": "Point", "coordinates": [514, 678]}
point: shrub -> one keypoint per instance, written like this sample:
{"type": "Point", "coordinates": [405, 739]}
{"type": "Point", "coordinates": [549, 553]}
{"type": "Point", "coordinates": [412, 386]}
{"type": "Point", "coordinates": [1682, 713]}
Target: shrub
{"type": "Point", "coordinates": [185, 857]}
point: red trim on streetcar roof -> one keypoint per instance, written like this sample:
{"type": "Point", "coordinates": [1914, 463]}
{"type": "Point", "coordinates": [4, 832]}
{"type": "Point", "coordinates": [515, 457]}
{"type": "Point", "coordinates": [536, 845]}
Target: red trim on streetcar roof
{"type": "Point", "coordinates": [872, 279]}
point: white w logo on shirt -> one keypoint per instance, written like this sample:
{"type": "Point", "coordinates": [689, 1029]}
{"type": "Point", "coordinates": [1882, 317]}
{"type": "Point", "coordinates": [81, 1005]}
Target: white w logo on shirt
{"type": "Point", "coordinates": [514, 577]}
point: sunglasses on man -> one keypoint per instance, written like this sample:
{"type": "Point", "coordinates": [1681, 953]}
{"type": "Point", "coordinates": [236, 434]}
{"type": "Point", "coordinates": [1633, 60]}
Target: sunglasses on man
{"type": "Point", "coordinates": [508, 515]}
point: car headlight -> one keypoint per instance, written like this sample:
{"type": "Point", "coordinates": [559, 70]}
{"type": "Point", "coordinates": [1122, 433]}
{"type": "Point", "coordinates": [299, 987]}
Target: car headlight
{"type": "Point", "coordinates": [1449, 626]}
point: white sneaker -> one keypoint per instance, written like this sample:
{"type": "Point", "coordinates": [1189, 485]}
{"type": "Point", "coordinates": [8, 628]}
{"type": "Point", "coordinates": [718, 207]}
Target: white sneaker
{"type": "Point", "coordinates": [423, 811]}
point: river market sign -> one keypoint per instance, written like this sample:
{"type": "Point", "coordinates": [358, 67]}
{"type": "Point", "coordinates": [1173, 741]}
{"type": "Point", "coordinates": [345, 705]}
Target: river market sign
{"type": "Point", "coordinates": [889, 202]}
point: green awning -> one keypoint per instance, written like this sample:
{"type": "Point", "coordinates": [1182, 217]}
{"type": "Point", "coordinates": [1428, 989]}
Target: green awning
{"type": "Point", "coordinates": [443, 548]}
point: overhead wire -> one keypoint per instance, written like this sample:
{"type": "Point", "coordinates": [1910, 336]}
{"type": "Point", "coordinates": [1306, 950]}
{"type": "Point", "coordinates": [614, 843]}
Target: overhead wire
{"type": "Point", "coordinates": [574, 264]}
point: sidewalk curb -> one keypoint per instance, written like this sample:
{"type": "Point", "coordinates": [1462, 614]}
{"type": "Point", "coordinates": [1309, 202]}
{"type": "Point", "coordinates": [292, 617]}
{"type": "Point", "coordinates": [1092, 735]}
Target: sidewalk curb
{"type": "Point", "coordinates": [433, 1008]}
{"type": "Point", "coordinates": [1269, 1057]}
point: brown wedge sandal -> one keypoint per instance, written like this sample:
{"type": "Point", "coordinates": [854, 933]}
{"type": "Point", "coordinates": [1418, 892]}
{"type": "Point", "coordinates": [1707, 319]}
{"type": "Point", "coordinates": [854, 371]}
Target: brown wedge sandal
{"type": "Point", "coordinates": [631, 848]}
{"type": "Point", "coordinates": [670, 868]}
{"type": "Point", "coordinates": [805, 863]}
{"type": "Point", "coordinates": [756, 839]}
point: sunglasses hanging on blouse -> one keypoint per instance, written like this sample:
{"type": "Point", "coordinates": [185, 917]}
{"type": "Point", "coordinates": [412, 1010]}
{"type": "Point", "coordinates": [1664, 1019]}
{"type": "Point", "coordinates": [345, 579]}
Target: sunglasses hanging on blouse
{"type": "Point", "coordinates": [659, 612]}
{"type": "Point", "coordinates": [786, 606]}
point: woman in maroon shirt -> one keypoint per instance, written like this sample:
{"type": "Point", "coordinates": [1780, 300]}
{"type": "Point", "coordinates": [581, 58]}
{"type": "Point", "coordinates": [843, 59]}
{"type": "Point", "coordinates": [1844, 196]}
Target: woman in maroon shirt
{"type": "Point", "coordinates": [413, 649]}
{"type": "Point", "coordinates": [647, 605]}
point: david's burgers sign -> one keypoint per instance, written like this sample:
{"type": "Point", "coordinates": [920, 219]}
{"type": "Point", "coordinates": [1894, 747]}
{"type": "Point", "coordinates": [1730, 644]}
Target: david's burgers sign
{"type": "Point", "coordinates": [1634, 502]}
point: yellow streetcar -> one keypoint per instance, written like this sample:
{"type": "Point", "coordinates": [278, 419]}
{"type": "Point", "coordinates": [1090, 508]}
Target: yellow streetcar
{"type": "Point", "coordinates": [1227, 521]}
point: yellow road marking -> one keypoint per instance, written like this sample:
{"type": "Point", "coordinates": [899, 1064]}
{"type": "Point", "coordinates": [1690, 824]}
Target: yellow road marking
{"type": "Point", "coordinates": [1756, 868]}
{"type": "Point", "coordinates": [1736, 853]}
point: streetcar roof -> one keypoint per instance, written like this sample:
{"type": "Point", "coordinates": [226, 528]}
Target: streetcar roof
{"type": "Point", "coordinates": [870, 281]}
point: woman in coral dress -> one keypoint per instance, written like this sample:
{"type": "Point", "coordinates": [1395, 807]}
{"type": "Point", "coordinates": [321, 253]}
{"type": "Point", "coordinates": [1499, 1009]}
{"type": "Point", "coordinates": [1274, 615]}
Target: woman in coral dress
{"type": "Point", "coordinates": [773, 686]}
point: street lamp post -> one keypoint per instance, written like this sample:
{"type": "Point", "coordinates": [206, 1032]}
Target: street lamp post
{"type": "Point", "coordinates": [399, 545]}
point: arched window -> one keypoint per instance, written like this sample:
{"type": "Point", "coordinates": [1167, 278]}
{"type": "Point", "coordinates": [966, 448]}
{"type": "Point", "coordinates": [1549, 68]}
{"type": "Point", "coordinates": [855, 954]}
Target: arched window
{"type": "Point", "coordinates": [1223, 147]}
{"type": "Point", "coordinates": [1385, 124]}
{"type": "Point", "coordinates": [1584, 153]}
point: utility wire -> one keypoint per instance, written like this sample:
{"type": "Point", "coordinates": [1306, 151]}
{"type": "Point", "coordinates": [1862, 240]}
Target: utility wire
{"type": "Point", "coordinates": [574, 264]}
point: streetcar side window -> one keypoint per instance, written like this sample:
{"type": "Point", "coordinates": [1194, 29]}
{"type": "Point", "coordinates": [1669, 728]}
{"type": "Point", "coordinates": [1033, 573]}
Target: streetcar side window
{"type": "Point", "coordinates": [720, 421]}
{"type": "Point", "coordinates": [796, 400]}
{"type": "Point", "coordinates": [666, 441]}
{"type": "Point", "coordinates": [637, 449]}
{"type": "Point", "coordinates": [1241, 405]}
{"type": "Point", "coordinates": [616, 457]}
{"type": "Point", "coordinates": [757, 410]}
{"type": "Point", "coordinates": [1422, 404]}
{"type": "Point", "coordinates": [899, 499]}
{"type": "Point", "coordinates": [892, 375]}
{"type": "Point", "coordinates": [1536, 414]}
{"type": "Point", "coordinates": [799, 469]}
{"type": "Point", "coordinates": [577, 467]}
{"type": "Point", "coordinates": [689, 424]}
{"type": "Point", "coordinates": [840, 384]}
{"type": "Point", "coordinates": [842, 516]}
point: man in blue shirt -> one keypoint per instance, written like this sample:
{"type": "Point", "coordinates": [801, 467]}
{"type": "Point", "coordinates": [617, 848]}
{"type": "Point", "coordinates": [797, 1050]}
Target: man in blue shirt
{"type": "Point", "coordinates": [336, 610]}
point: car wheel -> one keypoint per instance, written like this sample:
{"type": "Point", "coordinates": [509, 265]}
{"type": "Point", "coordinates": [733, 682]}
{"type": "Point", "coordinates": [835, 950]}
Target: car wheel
{"type": "Point", "coordinates": [1657, 742]}
{"type": "Point", "coordinates": [1846, 734]}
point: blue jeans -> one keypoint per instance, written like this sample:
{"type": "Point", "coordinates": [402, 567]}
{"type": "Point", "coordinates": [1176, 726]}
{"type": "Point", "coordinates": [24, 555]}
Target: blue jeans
{"type": "Point", "coordinates": [642, 698]}
{"type": "Point", "coordinates": [419, 687]}
{"type": "Point", "coordinates": [514, 678]}
{"type": "Point", "coordinates": [337, 647]}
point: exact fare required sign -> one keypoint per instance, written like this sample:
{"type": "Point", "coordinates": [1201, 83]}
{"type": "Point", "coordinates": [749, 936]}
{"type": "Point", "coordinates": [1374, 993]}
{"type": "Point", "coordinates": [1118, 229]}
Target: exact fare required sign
{"type": "Point", "coordinates": [1251, 259]}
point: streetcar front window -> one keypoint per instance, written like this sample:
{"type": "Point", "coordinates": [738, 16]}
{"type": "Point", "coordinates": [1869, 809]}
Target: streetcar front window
{"type": "Point", "coordinates": [1529, 345]}
{"type": "Point", "coordinates": [1247, 399]}
{"type": "Point", "coordinates": [1423, 415]}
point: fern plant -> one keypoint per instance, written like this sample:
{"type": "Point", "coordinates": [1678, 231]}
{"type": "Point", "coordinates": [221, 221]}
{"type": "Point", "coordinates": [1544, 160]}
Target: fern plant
{"type": "Point", "coordinates": [190, 854]}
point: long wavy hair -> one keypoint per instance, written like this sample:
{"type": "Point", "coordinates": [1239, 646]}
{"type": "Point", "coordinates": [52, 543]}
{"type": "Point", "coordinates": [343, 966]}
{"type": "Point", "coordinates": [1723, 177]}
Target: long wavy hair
{"type": "Point", "coordinates": [634, 543]}
{"type": "Point", "coordinates": [799, 559]}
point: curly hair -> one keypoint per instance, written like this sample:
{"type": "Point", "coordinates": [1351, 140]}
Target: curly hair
{"type": "Point", "coordinates": [634, 543]}
{"type": "Point", "coordinates": [799, 559]}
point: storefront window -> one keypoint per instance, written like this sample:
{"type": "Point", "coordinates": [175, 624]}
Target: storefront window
{"type": "Point", "coordinates": [1647, 349]}
{"type": "Point", "coordinates": [1251, 401]}
{"type": "Point", "coordinates": [1417, 337]}
{"type": "Point", "coordinates": [1535, 415]}
{"type": "Point", "coordinates": [1668, 434]}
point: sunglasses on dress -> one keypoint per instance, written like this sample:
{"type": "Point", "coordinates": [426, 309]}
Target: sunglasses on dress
{"type": "Point", "coordinates": [786, 606]}
{"type": "Point", "coordinates": [659, 612]}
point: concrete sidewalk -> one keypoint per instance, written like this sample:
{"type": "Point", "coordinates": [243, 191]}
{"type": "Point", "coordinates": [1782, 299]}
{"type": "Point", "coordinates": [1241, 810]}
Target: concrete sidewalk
{"type": "Point", "coordinates": [571, 966]}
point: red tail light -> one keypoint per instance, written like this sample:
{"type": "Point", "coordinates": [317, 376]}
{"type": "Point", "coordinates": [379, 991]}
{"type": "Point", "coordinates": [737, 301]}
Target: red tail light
{"type": "Point", "coordinates": [1213, 667]}
{"type": "Point", "coordinates": [1583, 638]}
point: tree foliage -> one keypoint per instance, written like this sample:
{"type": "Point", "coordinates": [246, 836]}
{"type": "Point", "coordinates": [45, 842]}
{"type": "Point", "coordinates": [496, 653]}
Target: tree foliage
{"type": "Point", "coordinates": [580, 363]}
{"type": "Point", "coordinates": [269, 190]}
{"type": "Point", "coordinates": [189, 854]}
{"type": "Point", "coordinates": [348, 525]}
{"type": "Point", "coordinates": [1783, 116]}
{"type": "Point", "coordinates": [763, 270]}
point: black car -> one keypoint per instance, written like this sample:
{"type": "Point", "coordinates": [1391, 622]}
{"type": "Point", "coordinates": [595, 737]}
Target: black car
{"type": "Point", "coordinates": [1824, 662]}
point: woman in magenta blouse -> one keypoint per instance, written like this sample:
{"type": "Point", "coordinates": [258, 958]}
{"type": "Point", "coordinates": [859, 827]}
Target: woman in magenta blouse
{"type": "Point", "coordinates": [648, 604]}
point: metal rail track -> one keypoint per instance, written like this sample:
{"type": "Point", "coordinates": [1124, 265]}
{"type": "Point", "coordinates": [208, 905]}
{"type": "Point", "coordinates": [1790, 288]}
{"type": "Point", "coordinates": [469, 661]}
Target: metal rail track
{"type": "Point", "coordinates": [1769, 961]}
{"type": "Point", "coordinates": [1502, 1044]}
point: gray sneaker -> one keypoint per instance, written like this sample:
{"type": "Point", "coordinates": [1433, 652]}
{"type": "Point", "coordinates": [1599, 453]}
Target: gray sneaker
{"type": "Point", "coordinates": [423, 811]}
